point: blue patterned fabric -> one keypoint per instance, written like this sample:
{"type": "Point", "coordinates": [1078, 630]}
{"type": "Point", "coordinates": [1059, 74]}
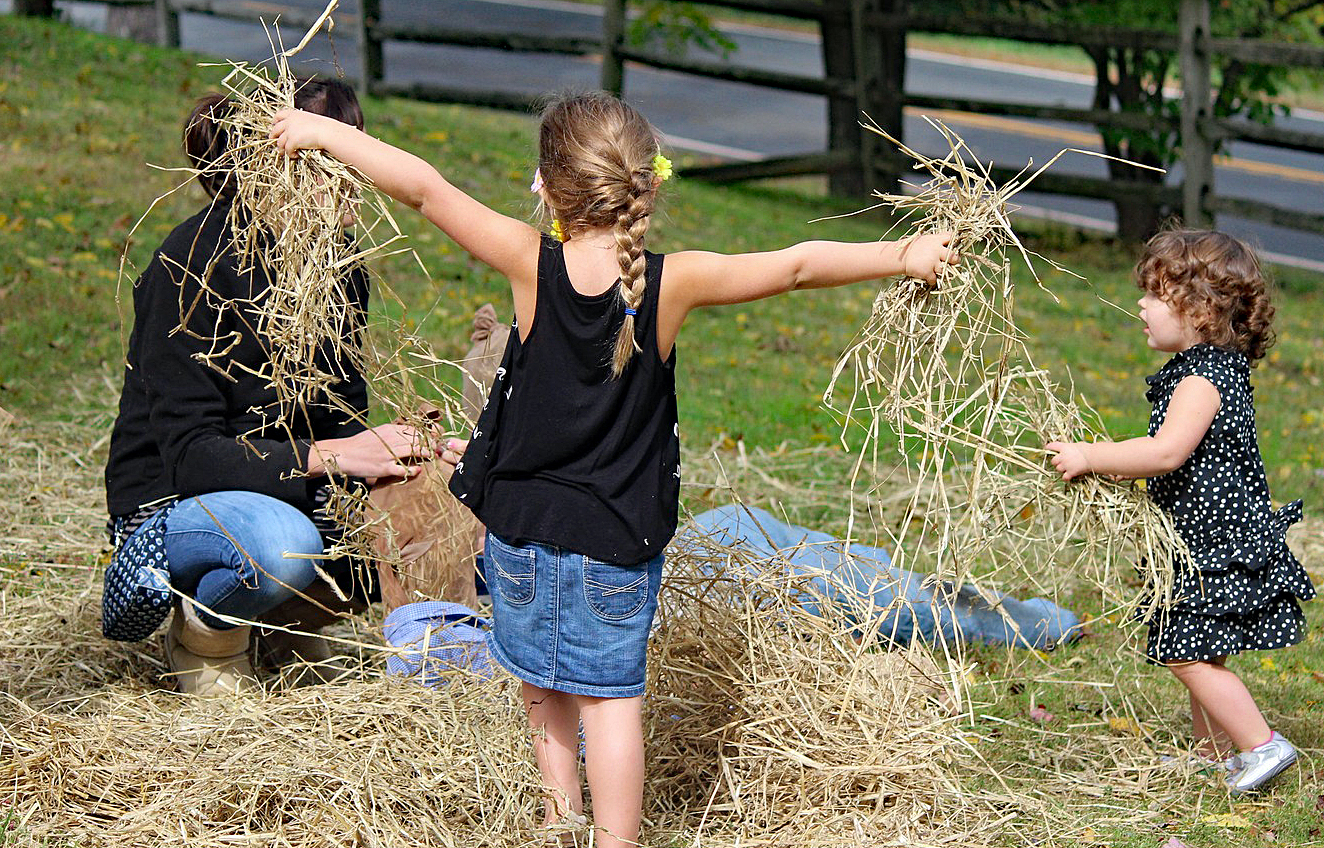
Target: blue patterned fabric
{"type": "Point", "coordinates": [436, 638]}
{"type": "Point", "coordinates": [136, 596]}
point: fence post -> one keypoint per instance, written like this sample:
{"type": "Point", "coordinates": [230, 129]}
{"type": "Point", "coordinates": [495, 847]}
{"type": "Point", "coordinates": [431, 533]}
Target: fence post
{"type": "Point", "coordinates": [35, 8]}
{"type": "Point", "coordinates": [167, 24]}
{"type": "Point", "coordinates": [879, 28]}
{"type": "Point", "coordinates": [843, 110]}
{"type": "Point", "coordinates": [1196, 114]}
{"type": "Point", "coordinates": [613, 36]}
{"type": "Point", "coordinates": [370, 48]}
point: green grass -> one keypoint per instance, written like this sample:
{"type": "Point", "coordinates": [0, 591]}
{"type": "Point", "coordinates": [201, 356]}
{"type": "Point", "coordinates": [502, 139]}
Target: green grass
{"type": "Point", "coordinates": [81, 115]}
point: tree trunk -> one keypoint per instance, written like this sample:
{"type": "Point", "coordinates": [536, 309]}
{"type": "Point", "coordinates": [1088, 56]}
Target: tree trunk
{"type": "Point", "coordinates": [1137, 219]}
{"type": "Point", "coordinates": [35, 8]}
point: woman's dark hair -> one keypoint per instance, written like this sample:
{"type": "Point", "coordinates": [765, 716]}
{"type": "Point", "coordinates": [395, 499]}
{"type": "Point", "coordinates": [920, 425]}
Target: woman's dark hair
{"type": "Point", "coordinates": [206, 138]}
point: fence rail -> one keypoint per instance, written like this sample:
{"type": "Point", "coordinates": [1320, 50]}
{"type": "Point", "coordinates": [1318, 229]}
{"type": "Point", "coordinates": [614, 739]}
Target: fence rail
{"type": "Point", "coordinates": [861, 40]}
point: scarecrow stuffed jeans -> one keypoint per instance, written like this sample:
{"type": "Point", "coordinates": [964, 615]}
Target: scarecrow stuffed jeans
{"type": "Point", "coordinates": [900, 605]}
{"type": "Point", "coordinates": [240, 553]}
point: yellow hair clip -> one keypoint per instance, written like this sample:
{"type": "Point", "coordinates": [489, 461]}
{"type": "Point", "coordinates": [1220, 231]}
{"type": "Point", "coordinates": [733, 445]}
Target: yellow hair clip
{"type": "Point", "coordinates": [557, 232]}
{"type": "Point", "coordinates": [662, 167]}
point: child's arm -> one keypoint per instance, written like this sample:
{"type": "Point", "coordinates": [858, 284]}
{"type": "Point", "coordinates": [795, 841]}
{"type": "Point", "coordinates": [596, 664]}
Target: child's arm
{"type": "Point", "coordinates": [508, 245]}
{"type": "Point", "coordinates": [1190, 412]}
{"type": "Point", "coordinates": [700, 278]}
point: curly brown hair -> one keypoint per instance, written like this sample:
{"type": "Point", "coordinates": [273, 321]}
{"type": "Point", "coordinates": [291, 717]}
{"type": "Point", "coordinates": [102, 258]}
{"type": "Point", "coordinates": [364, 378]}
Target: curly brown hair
{"type": "Point", "coordinates": [1213, 281]}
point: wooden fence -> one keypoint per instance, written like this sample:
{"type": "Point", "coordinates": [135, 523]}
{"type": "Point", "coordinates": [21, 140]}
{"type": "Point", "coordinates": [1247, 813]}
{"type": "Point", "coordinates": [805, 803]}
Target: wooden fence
{"type": "Point", "coordinates": [863, 48]}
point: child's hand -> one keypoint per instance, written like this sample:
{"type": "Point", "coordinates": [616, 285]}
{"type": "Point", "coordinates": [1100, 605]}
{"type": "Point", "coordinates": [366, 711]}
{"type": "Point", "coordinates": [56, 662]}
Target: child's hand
{"type": "Point", "coordinates": [928, 257]}
{"type": "Point", "coordinates": [1069, 458]}
{"type": "Point", "coordinates": [454, 450]}
{"type": "Point", "coordinates": [294, 130]}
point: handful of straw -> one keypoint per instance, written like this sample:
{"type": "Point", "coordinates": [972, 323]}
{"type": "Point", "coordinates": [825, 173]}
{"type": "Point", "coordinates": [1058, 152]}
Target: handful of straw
{"type": "Point", "coordinates": [949, 373]}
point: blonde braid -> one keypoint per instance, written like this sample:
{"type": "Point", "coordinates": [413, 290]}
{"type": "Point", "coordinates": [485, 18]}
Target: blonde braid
{"type": "Point", "coordinates": [631, 227]}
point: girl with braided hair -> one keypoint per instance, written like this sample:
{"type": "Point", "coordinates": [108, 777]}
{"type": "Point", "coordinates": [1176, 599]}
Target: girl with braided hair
{"type": "Point", "coordinates": [574, 462]}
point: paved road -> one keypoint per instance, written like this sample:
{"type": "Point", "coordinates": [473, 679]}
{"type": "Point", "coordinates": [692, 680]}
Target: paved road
{"type": "Point", "coordinates": [737, 121]}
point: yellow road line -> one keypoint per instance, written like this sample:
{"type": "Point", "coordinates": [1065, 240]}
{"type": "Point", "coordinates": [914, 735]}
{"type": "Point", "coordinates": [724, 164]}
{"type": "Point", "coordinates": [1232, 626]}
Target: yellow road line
{"type": "Point", "coordinates": [1090, 141]}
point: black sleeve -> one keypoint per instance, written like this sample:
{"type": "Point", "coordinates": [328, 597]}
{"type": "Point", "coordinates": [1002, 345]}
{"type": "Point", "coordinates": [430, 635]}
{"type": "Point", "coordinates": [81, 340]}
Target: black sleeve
{"type": "Point", "coordinates": [190, 402]}
{"type": "Point", "coordinates": [329, 421]}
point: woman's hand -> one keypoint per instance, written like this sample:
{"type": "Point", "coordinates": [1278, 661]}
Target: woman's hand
{"type": "Point", "coordinates": [928, 257]}
{"type": "Point", "coordinates": [379, 452]}
{"type": "Point", "coordinates": [1069, 458]}
{"type": "Point", "coordinates": [294, 130]}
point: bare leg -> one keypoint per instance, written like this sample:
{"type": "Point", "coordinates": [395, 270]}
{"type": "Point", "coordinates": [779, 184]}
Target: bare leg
{"type": "Point", "coordinates": [614, 754]}
{"type": "Point", "coordinates": [554, 718]}
{"type": "Point", "coordinates": [1225, 702]}
{"type": "Point", "coordinates": [1211, 740]}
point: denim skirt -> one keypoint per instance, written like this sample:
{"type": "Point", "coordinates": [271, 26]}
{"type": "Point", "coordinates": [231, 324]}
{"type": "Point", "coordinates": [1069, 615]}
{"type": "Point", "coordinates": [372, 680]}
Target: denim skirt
{"type": "Point", "coordinates": [567, 622]}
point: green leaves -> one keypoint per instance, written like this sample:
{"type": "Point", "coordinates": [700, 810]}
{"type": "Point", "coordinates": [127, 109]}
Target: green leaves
{"type": "Point", "coordinates": [676, 27]}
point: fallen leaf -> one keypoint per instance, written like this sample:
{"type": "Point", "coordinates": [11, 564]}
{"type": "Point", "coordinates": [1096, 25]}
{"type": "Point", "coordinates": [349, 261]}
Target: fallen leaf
{"type": "Point", "coordinates": [1227, 820]}
{"type": "Point", "coordinates": [1122, 724]}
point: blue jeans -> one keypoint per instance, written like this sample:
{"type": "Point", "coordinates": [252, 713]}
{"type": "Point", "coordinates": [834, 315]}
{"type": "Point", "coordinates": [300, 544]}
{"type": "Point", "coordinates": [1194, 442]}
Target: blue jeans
{"type": "Point", "coordinates": [861, 582]}
{"type": "Point", "coordinates": [240, 553]}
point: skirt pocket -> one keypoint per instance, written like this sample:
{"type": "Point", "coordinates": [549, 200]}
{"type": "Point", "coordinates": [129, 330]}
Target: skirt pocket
{"type": "Point", "coordinates": [511, 571]}
{"type": "Point", "coordinates": [615, 592]}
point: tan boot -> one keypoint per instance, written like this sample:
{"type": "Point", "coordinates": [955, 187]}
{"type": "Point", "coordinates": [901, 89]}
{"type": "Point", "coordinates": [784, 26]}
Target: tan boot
{"type": "Point", "coordinates": [207, 662]}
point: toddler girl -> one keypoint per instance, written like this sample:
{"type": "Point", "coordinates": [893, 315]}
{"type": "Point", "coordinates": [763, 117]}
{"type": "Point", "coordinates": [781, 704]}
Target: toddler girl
{"type": "Point", "coordinates": [574, 463]}
{"type": "Point", "coordinates": [1205, 303]}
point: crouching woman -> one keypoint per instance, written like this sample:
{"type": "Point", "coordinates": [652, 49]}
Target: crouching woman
{"type": "Point", "coordinates": [200, 476]}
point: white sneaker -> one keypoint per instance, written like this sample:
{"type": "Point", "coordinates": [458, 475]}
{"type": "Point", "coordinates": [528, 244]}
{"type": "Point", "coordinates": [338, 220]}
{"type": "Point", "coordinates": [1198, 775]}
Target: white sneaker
{"type": "Point", "coordinates": [1251, 769]}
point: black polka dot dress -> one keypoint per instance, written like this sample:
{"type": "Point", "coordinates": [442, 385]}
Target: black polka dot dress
{"type": "Point", "coordinates": [1242, 589]}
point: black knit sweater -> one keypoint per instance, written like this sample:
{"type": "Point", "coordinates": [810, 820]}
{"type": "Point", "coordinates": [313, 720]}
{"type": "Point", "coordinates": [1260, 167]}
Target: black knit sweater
{"type": "Point", "coordinates": [192, 422]}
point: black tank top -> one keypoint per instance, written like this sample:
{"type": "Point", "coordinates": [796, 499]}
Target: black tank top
{"type": "Point", "coordinates": [564, 455]}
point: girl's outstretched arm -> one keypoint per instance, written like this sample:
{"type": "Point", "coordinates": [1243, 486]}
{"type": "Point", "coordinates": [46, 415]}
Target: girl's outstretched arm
{"type": "Point", "coordinates": [506, 244]}
{"type": "Point", "coordinates": [695, 278]}
{"type": "Point", "coordinates": [710, 279]}
{"type": "Point", "coordinates": [1190, 412]}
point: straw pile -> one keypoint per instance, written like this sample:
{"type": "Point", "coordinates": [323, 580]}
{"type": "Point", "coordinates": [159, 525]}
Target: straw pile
{"type": "Point", "coordinates": [793, 728]}
{"type": "Point", "coordinates": [765, 726]}
{"type": "Point", "coordinates": [947, 371]}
